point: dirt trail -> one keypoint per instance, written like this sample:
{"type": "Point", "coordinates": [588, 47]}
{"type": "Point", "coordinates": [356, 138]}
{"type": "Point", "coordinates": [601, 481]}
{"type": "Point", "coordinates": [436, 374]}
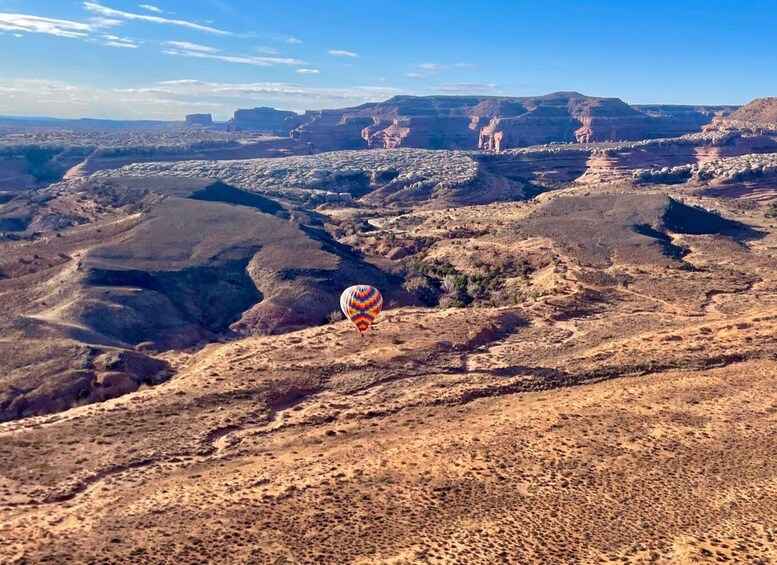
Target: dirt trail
{"type": "Point", "coordinates": [78, 171]}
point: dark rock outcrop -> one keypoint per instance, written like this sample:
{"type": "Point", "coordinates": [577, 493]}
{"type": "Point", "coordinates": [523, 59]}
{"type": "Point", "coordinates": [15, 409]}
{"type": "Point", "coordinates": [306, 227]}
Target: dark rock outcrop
{"type": "Point", "coordinates": [199, 120]}
{"type": "Point", "coordinates": [30, 166]}
{"type": "Point", "coordinates": [56, 375]}
{"type": "Point", "coordinates": [630, 226]}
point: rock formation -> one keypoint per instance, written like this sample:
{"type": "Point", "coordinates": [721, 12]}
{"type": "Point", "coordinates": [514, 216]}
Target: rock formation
{"type": "Point", "coordinates": [199, 120]}
{"type": "Point", "coordinates": [160, 263]}
{"type": "Point", "coordinates": [264, 119]}
{"type": "Point", "coordinates": [760, 110]}
{"type": "Point", "coordinates": [759, 117]}
{"type": "Point", "coordinates": [331, 130]}
{"type": "Point", "coordinates": [494, 123]}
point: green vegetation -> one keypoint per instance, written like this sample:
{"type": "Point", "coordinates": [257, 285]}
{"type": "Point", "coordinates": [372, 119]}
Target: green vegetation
{"type": "Point", "coordinates": [477, 289]}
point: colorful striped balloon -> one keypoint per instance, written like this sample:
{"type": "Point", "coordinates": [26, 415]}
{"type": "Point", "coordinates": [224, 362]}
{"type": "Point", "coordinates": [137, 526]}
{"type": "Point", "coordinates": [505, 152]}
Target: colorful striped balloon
{"type": "Point", "coordinates": [361, 304]}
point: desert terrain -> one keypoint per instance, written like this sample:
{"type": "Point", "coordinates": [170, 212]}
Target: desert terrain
{"type": "Point", "coordinates": [577, 361]}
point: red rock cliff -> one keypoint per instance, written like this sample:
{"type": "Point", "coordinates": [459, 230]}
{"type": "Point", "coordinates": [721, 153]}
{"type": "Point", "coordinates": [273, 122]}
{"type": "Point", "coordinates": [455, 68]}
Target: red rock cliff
{"type": "Point", "coordinates": [492, 123]}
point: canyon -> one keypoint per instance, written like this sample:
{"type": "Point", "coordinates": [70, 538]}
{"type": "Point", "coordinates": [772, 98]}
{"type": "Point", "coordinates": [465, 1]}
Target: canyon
{"type": "Point", "coordinates": [494, 123]}
{"type": "Point", "coordinates": [76, 148]}
{"type": "Point", "coordinates": [575, 362]}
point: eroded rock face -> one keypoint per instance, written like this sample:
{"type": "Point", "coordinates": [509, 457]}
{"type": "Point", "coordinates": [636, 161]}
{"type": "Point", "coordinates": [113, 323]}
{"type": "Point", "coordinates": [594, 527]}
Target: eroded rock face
{"type": "Point", "coordinates": [753, 168]}
{"type": "Point", "coordinates": [51, 376]}
{"type": "Point", "coordinates": [28, 166]}
{"type": "Point", "coordinates": [262, 119]}
{"type": "Point", "coordinates": [132, 266]}
{"type": "Point", "coordinates": [199, 120]}
{"type": "Point", "coordinates": [493, 123]}
{"type": "Point", "coordinates": [757, 117]}
{"type": "Point", "coordinates": [676, 118]}
{"type": "Point", "coordinates": [329, 130]}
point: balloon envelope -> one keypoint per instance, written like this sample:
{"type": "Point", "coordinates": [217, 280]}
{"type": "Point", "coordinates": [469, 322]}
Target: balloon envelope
{"type": "Point", "coordinates": [361, 304]}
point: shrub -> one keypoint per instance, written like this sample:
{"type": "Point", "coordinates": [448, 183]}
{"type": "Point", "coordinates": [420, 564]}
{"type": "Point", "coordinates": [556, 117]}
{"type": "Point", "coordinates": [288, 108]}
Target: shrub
{"type": "Point", "coordinates": [335, 316]}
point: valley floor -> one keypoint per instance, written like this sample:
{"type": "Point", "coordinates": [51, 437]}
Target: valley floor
{"type": "Point", "coordinates": [438, 437]}
{"type": "Point", "coordinates": [595, 385]}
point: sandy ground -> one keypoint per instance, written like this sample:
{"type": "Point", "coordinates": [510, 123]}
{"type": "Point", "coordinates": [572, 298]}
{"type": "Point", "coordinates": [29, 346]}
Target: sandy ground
{"type": "Point", "coordinates": [424, 441]}
{"type": "Point", "coordinates": [595, 422]}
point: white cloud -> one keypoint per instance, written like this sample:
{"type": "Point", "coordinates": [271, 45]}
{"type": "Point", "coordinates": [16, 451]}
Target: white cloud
{"type": "Point", "coordinates": [101, 22]}
{"type": "Point", "coordinates": [341, 53]}
{"type": "Point", "coordinates": [266, 50]}
{"type": "Point", "coordinates": [427, 70]}
{"type": "Point", "coordinates": [87, 31]}
{"type": "Point", "coordinates": [241, 59]}
{"type": "Point", "coordinates": [116, 41]}
{"type": "Point", "coordinates": [292, 40]}
{"type": "Point", "coordinates": [120, 44]}
{"type": "Point", "coordinates": [192, 46]}
{"type": "Point", "coordinates": [194, 86]}
{"type": "Point", "coordinates": [172, 99]}
{"type": "Point", "coordinates": [110, 12]}
{"type": "Point", "coordinates": [26, 97]}
{"type": "Point", "coordinates": [465, 66]}
{"type": "Point", "coordinates": [50, 26]}
{"type": "Point", "coordinates": [150, 8]}
{"type": "Point", "coordinates": [282, 95]}
{"type": "Point", "coordinates": [308, 71]}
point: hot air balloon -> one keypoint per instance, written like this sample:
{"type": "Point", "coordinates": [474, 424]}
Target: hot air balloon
{"type": "Point", "coordinates": [361, 304]}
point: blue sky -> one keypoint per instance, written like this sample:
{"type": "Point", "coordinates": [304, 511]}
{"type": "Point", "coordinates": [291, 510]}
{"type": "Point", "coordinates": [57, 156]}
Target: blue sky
{"type": "Point", "coordinates": [166, 58]}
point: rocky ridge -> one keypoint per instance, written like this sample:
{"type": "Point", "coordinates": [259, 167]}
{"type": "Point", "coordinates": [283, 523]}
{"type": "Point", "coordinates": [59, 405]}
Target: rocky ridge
{"type": "Point", "coordinates": [757, 117]}
{"type": "Point", "coordinates": [199, 120]}
{"type": "Point", "coordinates": [493, 123]}
{"type": "Point", "coordinates": [264, 119]}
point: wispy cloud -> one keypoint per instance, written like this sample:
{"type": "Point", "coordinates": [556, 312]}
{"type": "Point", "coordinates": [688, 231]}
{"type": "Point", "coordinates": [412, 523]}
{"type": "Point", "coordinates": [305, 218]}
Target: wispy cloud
{"type": "Point", "coordinates": [124, 44]}
{"type": "Point", "coordinates": [116, 41]}
{"type": "Point", "coordinates": [87, 31]}
{"type": "Point", "coordinates": [187, 46]}
{"type": "Point", "coordinates": [341, 53]}
{"type": "Point", "coordinates": [50, 26]}
{"type": "Point", "coordinates": [427, 70]}
{"type": "Point", "coordinates": [111, 13]}
{"type": "Point", "coordinates": [266, 50]}
{"type": "Point", "coordinates": [150, 8]}
{"type": "Point", "coordinates": [308, 71]}
{"type": "Point", "coordinates": [202, 52]}
{"type": "Point", "coordinates": [279, 37]}
{"type": "Point", "coordinates": [284, 95]}
{"type": "Point", "coordinates": [430, 69]}
{"type": "Point", "coordinates": [172, 99]}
